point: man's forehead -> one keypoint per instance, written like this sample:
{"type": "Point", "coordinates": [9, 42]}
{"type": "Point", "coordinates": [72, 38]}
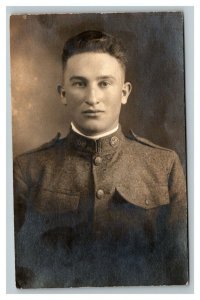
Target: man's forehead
{"type": "Point", "coordinates": [93, 58]}
{"type": "Point", "coordinates": [92, 63]}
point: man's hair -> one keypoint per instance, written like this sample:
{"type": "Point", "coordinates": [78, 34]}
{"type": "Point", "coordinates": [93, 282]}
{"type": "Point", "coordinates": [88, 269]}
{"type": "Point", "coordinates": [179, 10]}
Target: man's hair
{"type": "Point", "coordinates": [94, 41]}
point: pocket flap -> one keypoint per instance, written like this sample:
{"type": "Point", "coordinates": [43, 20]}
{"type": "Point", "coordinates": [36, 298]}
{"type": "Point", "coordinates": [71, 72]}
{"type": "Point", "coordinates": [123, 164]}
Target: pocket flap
{"type": "Point", "coordinates": [145, 196]}
{"type": "Point", "coordinates": [48, 201]}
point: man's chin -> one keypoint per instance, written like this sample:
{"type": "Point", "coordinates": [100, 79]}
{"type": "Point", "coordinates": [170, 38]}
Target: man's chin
{"type": "Point", "coordinates": [93, 127]}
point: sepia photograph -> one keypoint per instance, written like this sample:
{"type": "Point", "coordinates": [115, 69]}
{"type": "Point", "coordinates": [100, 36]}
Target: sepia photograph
{"type": "Point", "coordinates": [99, 149]}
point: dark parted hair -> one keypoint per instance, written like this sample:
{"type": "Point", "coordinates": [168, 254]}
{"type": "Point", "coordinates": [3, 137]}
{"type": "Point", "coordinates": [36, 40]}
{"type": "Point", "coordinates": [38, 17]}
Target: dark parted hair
{"type": "Point", "coordinates": [94, 41]}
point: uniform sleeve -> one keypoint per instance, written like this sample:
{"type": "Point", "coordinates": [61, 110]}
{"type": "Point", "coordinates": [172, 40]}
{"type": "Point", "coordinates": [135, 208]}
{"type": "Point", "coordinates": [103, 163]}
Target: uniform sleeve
{"type": "Point", "coordinates": [177, 255]}
{"type": "Point", "coordinates": [177, 183]}
{"type": "Point", "coordinates": [20, 196]}
{"type": "Point", "coordinates": [24, 275]}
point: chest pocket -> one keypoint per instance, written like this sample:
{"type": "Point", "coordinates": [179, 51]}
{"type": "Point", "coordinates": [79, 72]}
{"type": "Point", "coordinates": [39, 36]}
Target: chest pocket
{"type": "Point", "coordinates": [55, 201]}
{"type": "Point", "coordinates": [146, 197]}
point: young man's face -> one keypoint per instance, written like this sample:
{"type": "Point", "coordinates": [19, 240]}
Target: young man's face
{"type": "Point", "coordinates": [93, 90]}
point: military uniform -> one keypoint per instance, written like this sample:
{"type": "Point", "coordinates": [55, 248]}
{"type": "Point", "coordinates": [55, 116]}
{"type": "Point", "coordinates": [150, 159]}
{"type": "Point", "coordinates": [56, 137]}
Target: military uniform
{"type": "Point", "coordinates": [108, 212]}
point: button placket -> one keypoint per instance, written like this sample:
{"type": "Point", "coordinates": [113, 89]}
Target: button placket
{"type": "Point", "coordinates": [100, 194]}
{"type": "Point", "coordinates": [97, 160]}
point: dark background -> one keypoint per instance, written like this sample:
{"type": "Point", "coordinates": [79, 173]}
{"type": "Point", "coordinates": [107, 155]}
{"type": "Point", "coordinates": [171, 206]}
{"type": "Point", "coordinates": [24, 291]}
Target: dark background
{"type": "Point", "coordinates": [156, 106]}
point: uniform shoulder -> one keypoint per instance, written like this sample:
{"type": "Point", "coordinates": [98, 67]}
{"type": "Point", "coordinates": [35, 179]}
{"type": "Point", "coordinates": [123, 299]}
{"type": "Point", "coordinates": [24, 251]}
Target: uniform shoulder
{"type": "Point", "coordinates": [146, 142]}
{"type": "Point", "coordinates": [50, 144]}
{"type": "Point", "coordinates": [30, 164]}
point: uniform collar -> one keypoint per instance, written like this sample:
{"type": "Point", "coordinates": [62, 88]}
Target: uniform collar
{"type": "Point", "coordinates": [106, 144]}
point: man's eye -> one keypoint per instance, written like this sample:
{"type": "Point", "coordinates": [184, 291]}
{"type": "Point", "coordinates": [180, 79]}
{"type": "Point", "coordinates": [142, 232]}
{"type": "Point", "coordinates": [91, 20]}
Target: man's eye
{"type": "Point", "coordinates": [104, 84]}
{"type": "Point", "coordinates": [78, 84]}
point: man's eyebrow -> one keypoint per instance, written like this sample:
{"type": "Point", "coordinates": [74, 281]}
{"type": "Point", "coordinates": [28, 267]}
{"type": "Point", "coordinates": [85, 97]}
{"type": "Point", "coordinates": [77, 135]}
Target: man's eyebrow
{"type": "Point", "coordinates": [77, 78]}
{"type": "Point", "coordinates": [98, 78]}
{"type": "Point", "coordinates": [106, 77]}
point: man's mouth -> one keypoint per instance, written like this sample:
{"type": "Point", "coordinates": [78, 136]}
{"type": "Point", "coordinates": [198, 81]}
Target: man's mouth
{"type": "Point", "coordinates": [93, 112]}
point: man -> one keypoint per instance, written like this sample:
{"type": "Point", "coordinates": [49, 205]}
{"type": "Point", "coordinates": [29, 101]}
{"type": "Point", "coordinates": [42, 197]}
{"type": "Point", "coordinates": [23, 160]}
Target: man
{"type": "Point", "coordinates": [97, 208]}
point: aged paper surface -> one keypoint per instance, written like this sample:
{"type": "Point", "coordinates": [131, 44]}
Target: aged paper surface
{"type": "Point", "coordinates": [109, 211]}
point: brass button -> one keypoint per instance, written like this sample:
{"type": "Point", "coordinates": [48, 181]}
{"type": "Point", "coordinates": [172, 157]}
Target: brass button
{"type": "Point", "coordinates": [114, 141]}
{"type": "Point", "coordinates": [100, 194]}
{"type": "Point", "coordinates": [98, 160]}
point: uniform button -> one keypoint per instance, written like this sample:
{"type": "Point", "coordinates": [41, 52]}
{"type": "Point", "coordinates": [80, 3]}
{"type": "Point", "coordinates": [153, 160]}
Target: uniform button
{"type": "Point", "coordinates": [114, 141]}
{"type": "Point", "coordinates": [147, 202]}
{"type": "Point", "coordinates": [100, 194]}
{"type": "Point", "coordinates": [98, 160]}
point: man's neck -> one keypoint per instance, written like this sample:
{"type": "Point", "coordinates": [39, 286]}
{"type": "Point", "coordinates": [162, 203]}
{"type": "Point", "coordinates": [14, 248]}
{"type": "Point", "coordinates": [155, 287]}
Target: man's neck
{"type": "Point", "coordinates": [97, 136]}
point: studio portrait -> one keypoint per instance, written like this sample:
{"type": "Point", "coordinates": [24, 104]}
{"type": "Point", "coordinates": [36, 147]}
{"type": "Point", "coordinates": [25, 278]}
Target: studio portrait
{"type": "Point", "coordinates": [99, 150]}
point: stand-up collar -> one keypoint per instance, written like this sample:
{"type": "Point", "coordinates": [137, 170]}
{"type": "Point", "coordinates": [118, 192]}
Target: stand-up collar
{"type": "Point", "coordinates": [109, 143]}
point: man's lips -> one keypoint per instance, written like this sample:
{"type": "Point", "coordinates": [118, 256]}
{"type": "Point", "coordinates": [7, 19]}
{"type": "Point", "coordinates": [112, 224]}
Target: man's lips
{"type": "Point", "coordinates": [92, 112]}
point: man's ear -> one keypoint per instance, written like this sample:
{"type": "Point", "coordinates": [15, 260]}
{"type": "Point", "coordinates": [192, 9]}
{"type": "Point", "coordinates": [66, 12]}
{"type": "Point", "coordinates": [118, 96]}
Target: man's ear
{"type": "Point", "coordinates": [62, 93]}
{"type": "Point", "coordinates": [126, 90]}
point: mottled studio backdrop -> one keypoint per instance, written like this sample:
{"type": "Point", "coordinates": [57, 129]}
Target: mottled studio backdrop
{"type": "Point", "coordinates": [156, 107]}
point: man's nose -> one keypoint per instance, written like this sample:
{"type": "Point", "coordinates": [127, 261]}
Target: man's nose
{"type": "Point", "coordinates": [91, 96]}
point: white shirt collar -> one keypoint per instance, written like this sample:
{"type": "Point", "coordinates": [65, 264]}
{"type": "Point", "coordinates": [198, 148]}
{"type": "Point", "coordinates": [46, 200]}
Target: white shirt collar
{"type": "Point", "coordinates": [94, 137]}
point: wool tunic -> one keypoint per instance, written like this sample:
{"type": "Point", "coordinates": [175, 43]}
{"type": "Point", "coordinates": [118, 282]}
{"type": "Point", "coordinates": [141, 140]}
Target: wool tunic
{"type": "Point", "coordinates": [110, 212]}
